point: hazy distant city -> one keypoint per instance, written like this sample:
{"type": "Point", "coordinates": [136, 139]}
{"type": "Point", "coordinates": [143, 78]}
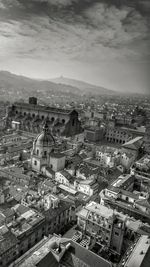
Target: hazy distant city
{"type": "Point", "coordinates": [74, 133]}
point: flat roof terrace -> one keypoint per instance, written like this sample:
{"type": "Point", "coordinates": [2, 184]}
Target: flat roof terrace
{"type": "Point", "coordinates": [137, 257]}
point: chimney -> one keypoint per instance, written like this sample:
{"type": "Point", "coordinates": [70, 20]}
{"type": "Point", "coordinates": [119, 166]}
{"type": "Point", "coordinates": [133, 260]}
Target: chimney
{"type": "Point", "coordinates": [59, 249]}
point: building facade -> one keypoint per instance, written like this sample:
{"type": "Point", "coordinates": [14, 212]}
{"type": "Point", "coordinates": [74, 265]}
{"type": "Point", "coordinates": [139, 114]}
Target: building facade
{"type": "Point", "coordinates": [121, 135]}
{"type": "Point", "coordinates": [100, 223]}
{"type": "Point", "coordinates": [42, 147]}
{"type": "Point", "coordinates": [30, 117]}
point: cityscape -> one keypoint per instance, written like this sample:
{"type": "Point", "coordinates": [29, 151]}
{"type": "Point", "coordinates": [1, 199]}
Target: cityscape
{"type": "Point", "coordinates": [74, 133]}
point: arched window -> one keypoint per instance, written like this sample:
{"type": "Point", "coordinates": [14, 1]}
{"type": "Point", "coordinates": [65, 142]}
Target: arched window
{"type": "Point", "coordinates": [63, 121]}
{"type": "Point", "coordinates": [24, 113]}
{"type": "Point", "coordinates": [52, 119]}
{"type": "Point", "coordinates": [37, 151]}
{"type": "Point", "coordinates": [35, 162]}
{"type": "Point", "coordinates": [42, 117]}
{"type": "Point", "coordinates": [33, 115]}
{"type": "Point", "coordinates": [73, 122]}
{"type": "Point", "coordinates": [45, 153]}
{"type": "Point", "coordinates": [16, 111]}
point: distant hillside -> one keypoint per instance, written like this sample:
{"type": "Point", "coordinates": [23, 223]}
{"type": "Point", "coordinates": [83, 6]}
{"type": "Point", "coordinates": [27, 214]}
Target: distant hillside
{"type": "Point", "coordinates": [13, 87]}
{"type": "Point", "coordinates": [83, 86]}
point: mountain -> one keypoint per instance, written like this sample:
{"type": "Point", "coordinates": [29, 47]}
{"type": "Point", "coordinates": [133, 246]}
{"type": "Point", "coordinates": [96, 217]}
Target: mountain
{"type": "Point", "coordinates": [83, 86]}
{"type": "Point", "coordinates": [13, 87]}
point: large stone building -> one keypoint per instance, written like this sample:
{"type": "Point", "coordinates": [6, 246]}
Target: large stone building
{"type": "Point", "coordinates": [59, 251]}
{"type": "Point", "coordinates": [42, 157]}
{"type": "Point", "coordinates": [94, 134]}
{"type": "Point", "coordinates": [42, 147]}
{"type": "Point", "coordinates": [30, 117]}
{"type": "Point", "coordinates": [121, 135]}
{"type": "Point", "coordinates": [100, 222]}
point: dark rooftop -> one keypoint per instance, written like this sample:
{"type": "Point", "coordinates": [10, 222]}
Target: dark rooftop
{"type": "Point", "coordinates": [45, 108]}
{"type": "Point", "coordinates": [57, 155]}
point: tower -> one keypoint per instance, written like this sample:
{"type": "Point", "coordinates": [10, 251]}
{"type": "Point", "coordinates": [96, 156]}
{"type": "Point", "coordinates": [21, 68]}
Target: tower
{"type": "Point", "coordinates": [42, 147]}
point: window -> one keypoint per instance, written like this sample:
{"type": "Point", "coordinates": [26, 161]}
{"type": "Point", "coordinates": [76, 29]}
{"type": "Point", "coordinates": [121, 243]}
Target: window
{"type": "Point", "coordinates": [21, 252]}
{"type": "Point", "coordinates": [35, 162]}
{"type": "Point", "coordinates": [116, 233]}
{"type": "Point", "coordinates": [37, 151]}
{"type": "Point", "coordinates": [73, 122]}
{"type": "Point", "coordinates": [45, 153]}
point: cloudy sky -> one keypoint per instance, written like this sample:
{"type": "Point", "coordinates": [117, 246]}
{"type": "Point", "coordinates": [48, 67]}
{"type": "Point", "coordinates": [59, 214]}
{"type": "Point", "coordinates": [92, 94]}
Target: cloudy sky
{"type": "Point", "coordinates": [90, 40]}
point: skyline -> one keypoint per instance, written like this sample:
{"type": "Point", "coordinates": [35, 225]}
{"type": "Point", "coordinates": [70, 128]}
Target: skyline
{"type": "Point", "coordinates": [91, 41]}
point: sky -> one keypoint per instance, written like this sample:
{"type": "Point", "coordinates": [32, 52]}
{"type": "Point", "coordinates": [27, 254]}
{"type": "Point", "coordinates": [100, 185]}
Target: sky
{"type": "Point", "coordinates": [91, 40]}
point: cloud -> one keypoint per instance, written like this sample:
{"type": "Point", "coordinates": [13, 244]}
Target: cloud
{"type": "Point", "coordinates": [86, 37]}
{"type": "Point", "coordinates": [98, 33]}
{"type": "Point", "coordinates": [30, 3]}
{"type": "Point", "coordinates": [2, 6]}
{"type": "Point", "coordinates": [57, 2]}
{"type": "Point", "coordinates": [116, 26]}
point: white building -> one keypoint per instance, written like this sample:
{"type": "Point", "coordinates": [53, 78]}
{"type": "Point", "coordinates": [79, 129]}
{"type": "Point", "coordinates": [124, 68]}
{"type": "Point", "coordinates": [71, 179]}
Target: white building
{"type": "Point", "coordinates": [63, 177]}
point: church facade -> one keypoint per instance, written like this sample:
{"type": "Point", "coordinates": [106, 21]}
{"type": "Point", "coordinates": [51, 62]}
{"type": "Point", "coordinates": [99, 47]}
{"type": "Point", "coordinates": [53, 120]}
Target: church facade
{"type": "Point", "coordinates": [44, 159]}
{"type": "Point", "coordinates": [43, 145]}
{"type": "Point", "coordinates": [31, 117]}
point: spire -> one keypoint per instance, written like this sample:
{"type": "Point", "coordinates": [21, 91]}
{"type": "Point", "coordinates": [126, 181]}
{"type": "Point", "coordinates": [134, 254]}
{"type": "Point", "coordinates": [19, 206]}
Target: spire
{"type": "Point", "coordinates": [45, 127]}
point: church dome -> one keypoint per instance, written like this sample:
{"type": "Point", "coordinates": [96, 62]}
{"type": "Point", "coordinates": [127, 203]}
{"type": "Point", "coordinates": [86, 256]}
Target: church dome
{"type": "Point", "coordinates": [45, 139]}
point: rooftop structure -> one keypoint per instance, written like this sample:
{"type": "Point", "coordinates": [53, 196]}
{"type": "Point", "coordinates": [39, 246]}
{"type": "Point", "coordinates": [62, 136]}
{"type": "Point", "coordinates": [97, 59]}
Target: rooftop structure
{"type": "Point", "coordinates": [100, 210]}
{"type": "Point", "coordinates": [30, 117]}
{"type": "Point", "coordinates": [134, 143]}
{"type": "Point", "coordinates": [121, 135]}
{"type": "Point", "coordinates": [25, 222]}
{"type": "Point", "coordinates": [56, 251]}
{"type": "Point", "coordinates": [141, 167]}
{"type": "Point", "coordinates": [123, 181]}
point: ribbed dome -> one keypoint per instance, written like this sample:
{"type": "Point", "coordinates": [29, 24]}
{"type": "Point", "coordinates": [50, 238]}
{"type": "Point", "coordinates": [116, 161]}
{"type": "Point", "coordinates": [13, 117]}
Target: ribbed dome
{"type": "Point", "coordinates": [45, 139]}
